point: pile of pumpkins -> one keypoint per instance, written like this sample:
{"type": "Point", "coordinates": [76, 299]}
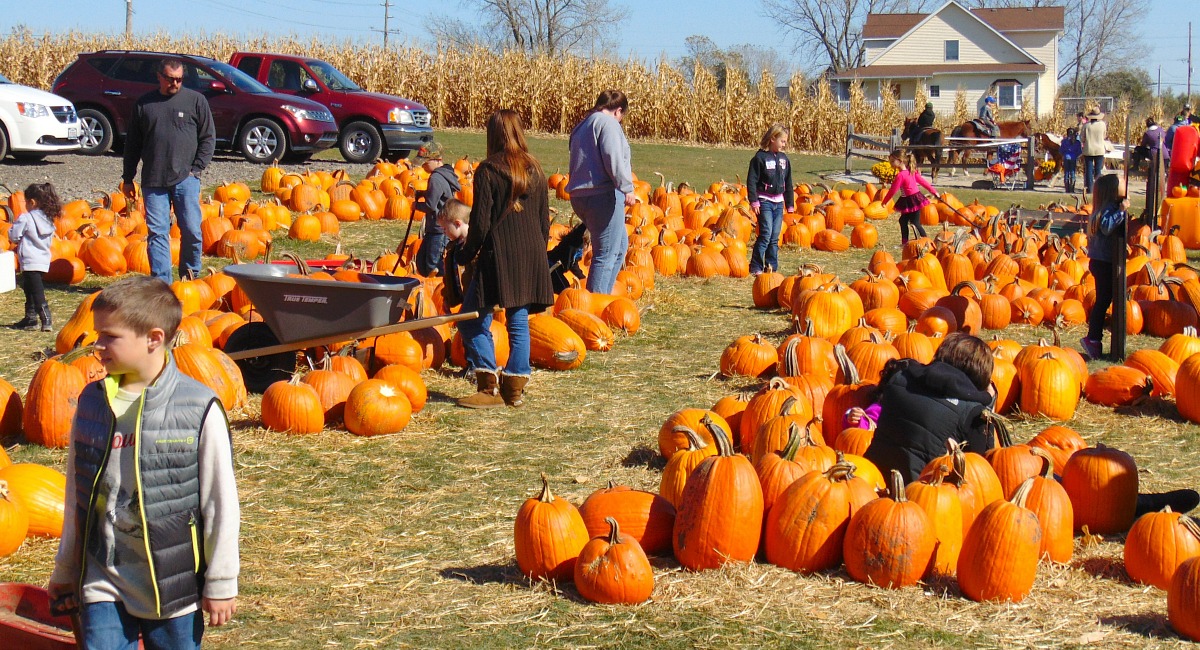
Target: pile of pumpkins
{"type": "Point", "coordinates": [957, 281]}
{"type": "Point", "coordinates": [753, 478]}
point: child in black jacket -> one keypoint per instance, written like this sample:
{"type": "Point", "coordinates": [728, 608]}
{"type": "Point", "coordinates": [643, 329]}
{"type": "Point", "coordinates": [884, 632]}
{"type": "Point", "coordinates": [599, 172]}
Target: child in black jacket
{"type": "Point", "coordinates": [769, 188]}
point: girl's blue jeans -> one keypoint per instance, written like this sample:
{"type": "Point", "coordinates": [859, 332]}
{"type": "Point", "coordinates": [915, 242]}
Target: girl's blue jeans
{"type": "Point", "coordinates": [766, 247]}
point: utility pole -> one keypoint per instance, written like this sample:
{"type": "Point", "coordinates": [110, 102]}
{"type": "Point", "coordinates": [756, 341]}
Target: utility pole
{"type": "Point", "coordinates": [387, 18]}
{"type": "Point", "coordinates": [1189, 91]}
{"type": "Point", "coordinates": [1158, 84]}
{"type": "Point", "coordinates": [128, 22]}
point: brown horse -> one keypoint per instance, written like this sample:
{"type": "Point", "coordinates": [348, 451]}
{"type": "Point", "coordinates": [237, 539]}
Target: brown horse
{"type": "Point", "coordinates": [915, 135]}
{"type": "Point", "coordinates": [971, 131]}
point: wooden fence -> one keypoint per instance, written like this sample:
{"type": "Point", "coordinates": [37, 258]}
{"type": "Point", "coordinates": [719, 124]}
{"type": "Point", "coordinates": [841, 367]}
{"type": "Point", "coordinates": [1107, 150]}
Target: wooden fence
{"type": "Point", "coordinates": [872, 147]}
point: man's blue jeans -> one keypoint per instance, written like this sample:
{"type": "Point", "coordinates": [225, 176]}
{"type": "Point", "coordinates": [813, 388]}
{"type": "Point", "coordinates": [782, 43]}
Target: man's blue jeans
{"type": "Point", "coordinates": [107, 626]}
{"type": "Point", "coordinates": [185, 198]}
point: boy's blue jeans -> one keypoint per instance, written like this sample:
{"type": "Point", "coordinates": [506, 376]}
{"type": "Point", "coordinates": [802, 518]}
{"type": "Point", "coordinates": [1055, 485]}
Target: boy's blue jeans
{"type": "Point", "coordinates": [107, 626]}
{"type": "Point", "coordinates": [433, 246]}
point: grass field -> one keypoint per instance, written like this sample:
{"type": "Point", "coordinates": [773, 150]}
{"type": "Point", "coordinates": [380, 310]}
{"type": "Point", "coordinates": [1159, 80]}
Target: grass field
{"type": "Point", "coordinates": [406, 541]}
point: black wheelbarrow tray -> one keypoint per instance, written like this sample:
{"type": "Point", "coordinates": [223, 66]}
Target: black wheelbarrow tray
{"type": "Point", "coordinates": [299, 313]}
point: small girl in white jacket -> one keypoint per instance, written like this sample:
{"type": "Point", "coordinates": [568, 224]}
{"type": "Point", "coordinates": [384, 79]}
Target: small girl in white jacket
{"type": "Point", "coordinates": [32, 233]}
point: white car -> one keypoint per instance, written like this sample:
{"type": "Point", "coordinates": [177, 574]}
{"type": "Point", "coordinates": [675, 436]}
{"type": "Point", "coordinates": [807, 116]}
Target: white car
{"type": "Point", "coordinates": [34, 123]}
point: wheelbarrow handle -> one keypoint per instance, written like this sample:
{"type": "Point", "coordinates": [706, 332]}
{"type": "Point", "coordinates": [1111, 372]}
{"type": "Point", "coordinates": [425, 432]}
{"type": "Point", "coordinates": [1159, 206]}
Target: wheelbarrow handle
{"type": "Point", "coordinates": [403, 326]}
{"type": "Point", "coordinates": [59, 607]}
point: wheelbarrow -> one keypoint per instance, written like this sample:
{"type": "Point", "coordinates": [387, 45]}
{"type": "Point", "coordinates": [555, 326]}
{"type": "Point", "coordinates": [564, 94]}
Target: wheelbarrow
{"type": "Point", "coordinates": [300, 313]}
{"type": "Point", "coordinates": [26, 621]}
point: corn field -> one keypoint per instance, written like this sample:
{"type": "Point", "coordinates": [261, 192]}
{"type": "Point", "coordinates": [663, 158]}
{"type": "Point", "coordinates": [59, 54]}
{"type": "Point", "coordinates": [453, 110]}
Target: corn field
{"type": "Point", "coordinates": [552, 93]}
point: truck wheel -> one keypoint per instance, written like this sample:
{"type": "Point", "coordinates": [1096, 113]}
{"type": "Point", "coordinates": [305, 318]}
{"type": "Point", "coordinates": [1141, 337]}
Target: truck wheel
{"type": "Point", "coordinates": [95, 132]}
{"type": "Point", "coordinates": [3, 143]}
{"type": "Point", "coordinates": [360, 142]}
{"type": "Point", "coordinates": [262, 141]}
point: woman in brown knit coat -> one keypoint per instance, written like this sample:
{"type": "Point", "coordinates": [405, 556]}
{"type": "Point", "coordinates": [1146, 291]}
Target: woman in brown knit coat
{"type": "Point", "coordinates": [509, 228]}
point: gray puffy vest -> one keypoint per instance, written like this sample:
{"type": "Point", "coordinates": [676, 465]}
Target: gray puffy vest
{"type": "Point", "coordinates": [171, 415]}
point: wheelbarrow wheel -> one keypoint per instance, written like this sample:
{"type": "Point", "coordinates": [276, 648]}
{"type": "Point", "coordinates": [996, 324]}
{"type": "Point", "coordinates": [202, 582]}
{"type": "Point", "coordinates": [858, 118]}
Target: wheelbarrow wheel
{"type": "Point", "coordinates": [260, 372]}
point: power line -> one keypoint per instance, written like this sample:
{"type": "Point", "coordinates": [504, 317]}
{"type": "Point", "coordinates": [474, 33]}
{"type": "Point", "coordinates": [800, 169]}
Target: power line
{"type": "Point", "coordinates": [285, 20]}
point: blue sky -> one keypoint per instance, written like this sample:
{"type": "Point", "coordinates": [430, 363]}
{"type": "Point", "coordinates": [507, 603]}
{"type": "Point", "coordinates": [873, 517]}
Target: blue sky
{"type": "Point", "coordinates": [654, 27]}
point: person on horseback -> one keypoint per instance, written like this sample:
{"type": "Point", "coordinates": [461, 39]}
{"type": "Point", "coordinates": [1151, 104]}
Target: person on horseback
{"type": "Point", "coordinates": [987, 116]}
{"type": "Point", "coordinates": [926, 118]}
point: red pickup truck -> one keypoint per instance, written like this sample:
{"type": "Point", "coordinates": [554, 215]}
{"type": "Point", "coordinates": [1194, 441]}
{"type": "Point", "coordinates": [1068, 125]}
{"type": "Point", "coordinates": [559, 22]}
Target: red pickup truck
{"type": "Point", "coordinates": [370, 125]}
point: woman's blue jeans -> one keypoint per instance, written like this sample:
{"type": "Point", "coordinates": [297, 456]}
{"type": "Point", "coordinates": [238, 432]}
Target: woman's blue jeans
{"type": "Point", "coordinates": [479, 347]}
{"type": "Point", "coordinates": [604, 216]}
{"type": "Point", "coordinates": [108, 626]}
{"type": "Point", "coordinates": [766, 247]}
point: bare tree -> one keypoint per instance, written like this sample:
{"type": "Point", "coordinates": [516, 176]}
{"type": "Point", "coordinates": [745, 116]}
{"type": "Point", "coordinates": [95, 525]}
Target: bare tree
{"type": "Point", "coordinates": [829, 32]}
{"type": "Point", "coordinates": [541, 26]}
{"type": "Point", "coordinates": [1100, 36]}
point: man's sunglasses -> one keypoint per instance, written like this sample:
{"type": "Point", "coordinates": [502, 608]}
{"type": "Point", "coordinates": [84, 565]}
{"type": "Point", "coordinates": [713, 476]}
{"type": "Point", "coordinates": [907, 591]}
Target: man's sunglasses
{"type": "Point", "coordinates": [174, 80]}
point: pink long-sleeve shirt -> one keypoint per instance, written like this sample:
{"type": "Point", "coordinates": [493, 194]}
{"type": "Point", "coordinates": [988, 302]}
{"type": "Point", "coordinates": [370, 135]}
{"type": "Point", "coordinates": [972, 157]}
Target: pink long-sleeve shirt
{"type": "Point", "coordinates": [907, 182]}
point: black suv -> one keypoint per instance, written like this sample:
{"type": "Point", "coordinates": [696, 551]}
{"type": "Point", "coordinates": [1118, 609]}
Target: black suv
{"type": "Point", "coordinates": [249, 117]}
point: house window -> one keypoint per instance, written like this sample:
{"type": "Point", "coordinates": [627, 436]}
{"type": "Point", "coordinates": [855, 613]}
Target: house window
{"type": "Point", "coordinates": [952, 50]}
{"type": "Point", "coordinates": [935, 91]}
{"type": "Point", "coordinates": [843, 91]}
{"type": "Point", "coordinates": [1008, 94]}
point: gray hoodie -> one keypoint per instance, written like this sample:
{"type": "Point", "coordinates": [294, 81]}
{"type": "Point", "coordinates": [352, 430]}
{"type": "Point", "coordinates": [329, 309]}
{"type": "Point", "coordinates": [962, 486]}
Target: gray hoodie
{"type": "Point", "coordinates": [32, 233]}
{"type": "Point", "coordinates": [600, 158]}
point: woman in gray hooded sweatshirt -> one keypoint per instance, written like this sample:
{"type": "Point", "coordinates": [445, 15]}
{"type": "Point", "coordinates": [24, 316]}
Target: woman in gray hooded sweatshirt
{"type": "Point", "coordinates": [601, 186]}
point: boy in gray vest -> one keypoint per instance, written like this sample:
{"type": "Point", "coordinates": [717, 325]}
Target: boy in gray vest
{"type": "Point", "coordinates": [150, 536]}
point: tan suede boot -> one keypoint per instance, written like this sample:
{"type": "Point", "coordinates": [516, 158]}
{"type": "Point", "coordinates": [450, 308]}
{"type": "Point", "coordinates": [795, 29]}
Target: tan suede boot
{"type": "Point", "coordinates": [512, 389]}
{"type": "Point", "coordinates": [487, 395]}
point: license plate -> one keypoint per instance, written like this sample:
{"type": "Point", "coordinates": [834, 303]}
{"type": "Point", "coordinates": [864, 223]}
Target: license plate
{"type": "Point", "coordinates": [73, 133]}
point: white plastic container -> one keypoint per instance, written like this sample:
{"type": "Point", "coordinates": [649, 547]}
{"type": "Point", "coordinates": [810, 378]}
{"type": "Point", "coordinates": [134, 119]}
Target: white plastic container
{"type": "Point", "coordinates": [8, 271]}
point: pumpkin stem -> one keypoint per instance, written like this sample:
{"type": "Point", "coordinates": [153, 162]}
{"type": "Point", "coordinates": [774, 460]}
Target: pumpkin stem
{"type": "Point", "coordinates": [724, 446]}
{"type": "Point", "coordinates": [614, 531]}
{"type": "Point", "coordinates": [896, 487]}
{"type": "Point", "coordinates": [849, 370]}
{"type": "Point", "coordinates": [794, 443]}
{"type": "Point", "coordinates": [1022, 494]}
{"type": "Point", "coordinates": [1047, 461]}
{"type": "Point", "coordinates": [940, 472]}
{"type": "Point", "coordinates": [1188, 523]}
{"type": "Point", "coordinates": [842, 470]}
{"type": "Point", "coordinates": [4, 490]}
{"type": "Point", "coordinates": [546, 496]}
{"type": "Point", "coordinates": [694, 440]}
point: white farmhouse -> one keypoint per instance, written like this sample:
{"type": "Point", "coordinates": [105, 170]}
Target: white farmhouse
{"type": "Point", "coordinates": [1011, 52]}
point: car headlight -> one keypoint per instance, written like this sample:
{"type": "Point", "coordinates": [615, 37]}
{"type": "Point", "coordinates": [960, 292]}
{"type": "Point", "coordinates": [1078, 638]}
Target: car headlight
{"type": "Point", "coordinates": [32, 110]}
{"type": "Point", "coordinates": [305, 114]}
{"type": "Point", "coordinates": [400, 116]}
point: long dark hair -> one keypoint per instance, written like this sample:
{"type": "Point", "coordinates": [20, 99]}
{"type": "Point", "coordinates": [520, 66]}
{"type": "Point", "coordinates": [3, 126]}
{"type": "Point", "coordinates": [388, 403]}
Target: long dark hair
{"type": "Point", "coordinates": [507, 149]}
{"type": "Point", "coordinates": [1105, 191]}
{"type": "Point", "coordinates": [46, 197]}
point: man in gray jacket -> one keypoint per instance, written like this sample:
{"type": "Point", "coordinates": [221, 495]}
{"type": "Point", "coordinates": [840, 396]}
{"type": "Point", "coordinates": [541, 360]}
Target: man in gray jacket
{"type": "Point", "coordinates": [1094, 136]}
{"type": "Point", "coordinates": [171, 133]}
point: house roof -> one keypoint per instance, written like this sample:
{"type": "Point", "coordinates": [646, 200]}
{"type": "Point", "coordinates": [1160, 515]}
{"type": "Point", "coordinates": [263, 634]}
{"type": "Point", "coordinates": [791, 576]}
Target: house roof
{"type": "Point", "coordinates": [1020, 19]}
{"type": "Point", "coordinates": [925, 71]}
